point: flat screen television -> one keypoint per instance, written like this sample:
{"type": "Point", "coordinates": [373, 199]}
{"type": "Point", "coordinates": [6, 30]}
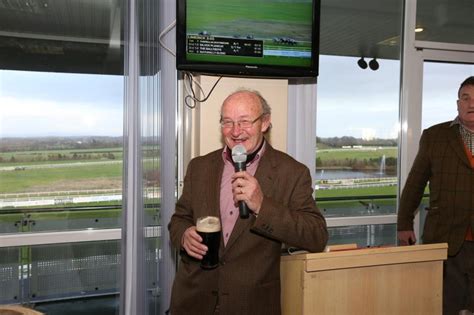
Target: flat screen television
{"type": "Point", "coordinates": [261, 38]}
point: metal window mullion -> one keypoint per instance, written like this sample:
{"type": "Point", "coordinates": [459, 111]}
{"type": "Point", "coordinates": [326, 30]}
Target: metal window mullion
{"type": "Point", "coordinates": [411, 88]}
{"type": "Point", "coordinates": [419, 44]}
{"type": "Point", "coordinates": [168, 150]}
{"type": "Point", "coordinates": [132, 298]}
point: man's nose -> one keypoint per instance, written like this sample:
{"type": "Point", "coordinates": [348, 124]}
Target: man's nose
{"type": "Point", "coordinates": [236, 128]}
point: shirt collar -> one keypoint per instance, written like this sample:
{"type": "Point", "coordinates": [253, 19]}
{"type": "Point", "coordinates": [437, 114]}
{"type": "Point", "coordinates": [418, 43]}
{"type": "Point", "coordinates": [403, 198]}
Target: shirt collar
{"type": "Point", "coordinates": [466, 135]}
{"type": "Point", "coordinates": [226, 154]}
{"type": "Point", "coordinates": [456, 121]}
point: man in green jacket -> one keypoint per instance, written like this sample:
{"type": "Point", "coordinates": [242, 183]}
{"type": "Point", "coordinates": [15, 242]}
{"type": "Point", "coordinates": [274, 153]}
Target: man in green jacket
{"type": "Point", "coordinates": [445, 160]}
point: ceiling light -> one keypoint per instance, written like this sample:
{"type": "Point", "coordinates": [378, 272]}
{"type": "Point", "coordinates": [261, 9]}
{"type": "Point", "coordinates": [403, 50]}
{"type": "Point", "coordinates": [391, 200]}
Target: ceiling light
{"type": "Point", "coordinates": [373, 64]}
{"type": "Point", "coordinates": [419, 29]}
{"type": "Point", "coordinates": [362, 63]}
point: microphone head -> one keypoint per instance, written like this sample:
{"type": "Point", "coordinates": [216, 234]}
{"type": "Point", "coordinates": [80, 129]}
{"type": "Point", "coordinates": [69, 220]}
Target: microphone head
{"type": "Point", "coordinates": [239, 154]}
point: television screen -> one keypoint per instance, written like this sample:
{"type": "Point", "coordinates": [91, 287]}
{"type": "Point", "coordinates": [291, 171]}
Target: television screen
{"type": "Point", "coordinates": [263, 38]}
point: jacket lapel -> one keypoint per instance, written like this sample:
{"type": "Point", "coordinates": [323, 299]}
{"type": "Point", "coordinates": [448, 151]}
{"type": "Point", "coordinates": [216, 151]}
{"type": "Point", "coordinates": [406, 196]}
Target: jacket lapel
{"type": "Point", "coordinates": [214, 184]}
{"type": "Point", "coordinates": [215, 170]}
{"type": "Point", "coordinates": [266, 171]}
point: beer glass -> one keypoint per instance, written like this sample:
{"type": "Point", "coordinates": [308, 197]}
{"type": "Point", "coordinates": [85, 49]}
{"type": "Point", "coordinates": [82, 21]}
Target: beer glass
{"type": "Point", "coordinates": [209, 228]}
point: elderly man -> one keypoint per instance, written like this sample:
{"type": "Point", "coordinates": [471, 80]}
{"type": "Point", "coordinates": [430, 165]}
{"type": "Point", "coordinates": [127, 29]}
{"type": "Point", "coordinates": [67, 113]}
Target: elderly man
{"type": "Point", "coordinates": [277, 190]}
{"type": "Point", "coordinates": [445, 159]}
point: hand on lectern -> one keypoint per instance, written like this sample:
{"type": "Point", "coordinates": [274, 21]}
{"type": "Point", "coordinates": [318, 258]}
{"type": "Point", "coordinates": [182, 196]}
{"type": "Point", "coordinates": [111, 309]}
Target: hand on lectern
{"type": "Point", "coordinates": [406, 238]}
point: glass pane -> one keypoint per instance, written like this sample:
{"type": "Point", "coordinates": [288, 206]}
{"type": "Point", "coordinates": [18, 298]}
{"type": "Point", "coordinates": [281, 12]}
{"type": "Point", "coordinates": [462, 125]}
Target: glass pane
{"type": "Point", "coordinates": [82, 278]}
{"type": "Point", "coordinates": [10, 275]}
{"type": "Point", "coordinates": [61, 149]}
{"type": "Point", "coordinates": [441, 83]}
{"type": "Point", "coordinates": [364, 235]}
{"type": "Point", "coordinates": [445, 21]}
{"type": "Point", "coordinates": [357, 108]}
{"type": "Point", "coordinates": [150, 122]}
{"type": "Point", "coordinates": [357, 130]}
{"type": "Point", "coordinates": [47, 277]}
{"type": "Point", "coordinates": [73, 270]}
{"type": "Point", "coordinates": [61, 115]}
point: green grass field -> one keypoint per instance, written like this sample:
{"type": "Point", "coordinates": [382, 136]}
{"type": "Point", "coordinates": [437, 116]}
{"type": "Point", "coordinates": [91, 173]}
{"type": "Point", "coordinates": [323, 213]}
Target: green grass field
{"type": "Point", "coordinates": [342, 154]}
{"type": "Point", "coordinates": [354, 192]}
{"type": "Point", "coordinates": [87, 175]}
{"type": "Point", "coordinates": [58, 178]}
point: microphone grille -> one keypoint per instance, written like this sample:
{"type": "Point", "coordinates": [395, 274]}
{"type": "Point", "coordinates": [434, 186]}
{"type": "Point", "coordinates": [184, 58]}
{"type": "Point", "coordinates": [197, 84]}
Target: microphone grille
{"type": "Point", "coordinates": [239, 154]}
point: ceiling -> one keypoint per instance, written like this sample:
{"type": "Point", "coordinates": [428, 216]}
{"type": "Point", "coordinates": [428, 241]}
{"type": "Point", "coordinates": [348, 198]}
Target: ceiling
{"type": "Point", "coordinates": [85, 35]}
{"type": "Point", "coordinates": [61, 35]}
{"type": "Point", "coordinates": [372, 28]}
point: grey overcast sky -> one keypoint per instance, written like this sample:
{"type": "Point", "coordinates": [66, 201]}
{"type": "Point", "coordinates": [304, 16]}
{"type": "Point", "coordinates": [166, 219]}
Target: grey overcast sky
{"type": "Point", "coordinates": [364, 103]}
{"type": "Point", "coordinates": [60, 104]}
{"type": "Point", "coordinates": [351, 101]}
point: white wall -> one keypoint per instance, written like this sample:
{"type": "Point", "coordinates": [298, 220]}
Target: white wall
{"type": "Point", "coordinates": [206, 135]}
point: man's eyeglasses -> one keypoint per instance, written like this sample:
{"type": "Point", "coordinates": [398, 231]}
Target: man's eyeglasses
{"type": "Point", "coordinates": [244, 124]}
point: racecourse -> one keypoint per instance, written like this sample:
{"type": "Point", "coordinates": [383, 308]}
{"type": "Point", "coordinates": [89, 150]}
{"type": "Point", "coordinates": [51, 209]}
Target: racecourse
{"type": "Point", "coordinates": [99, 180]}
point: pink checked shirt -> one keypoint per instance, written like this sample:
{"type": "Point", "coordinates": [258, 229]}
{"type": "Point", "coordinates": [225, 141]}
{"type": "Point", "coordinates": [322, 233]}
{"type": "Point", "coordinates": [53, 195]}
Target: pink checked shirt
{"type": "Point", "coordinates": [230, 211]}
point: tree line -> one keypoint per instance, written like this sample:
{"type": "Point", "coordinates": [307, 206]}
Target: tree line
{"type": "Point", "coordinates": [58, 143]}
{"type": "Point", "coordinates": [58, 157]}
{"type": "Point", "coordinates": [339, 142]}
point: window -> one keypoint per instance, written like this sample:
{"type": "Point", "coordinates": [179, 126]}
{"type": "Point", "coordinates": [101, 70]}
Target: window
{"type": "Point", "coordinates": [445, 21]}
{"type": "Point", "coordinates": [61, 151]}
{"type": "Point", "coordinates": [357, 122]}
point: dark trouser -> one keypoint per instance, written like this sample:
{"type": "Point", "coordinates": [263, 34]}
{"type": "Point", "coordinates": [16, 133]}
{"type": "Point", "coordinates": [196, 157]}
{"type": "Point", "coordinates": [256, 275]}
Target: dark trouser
{"type": "Point", "coordinates": [458, 281]}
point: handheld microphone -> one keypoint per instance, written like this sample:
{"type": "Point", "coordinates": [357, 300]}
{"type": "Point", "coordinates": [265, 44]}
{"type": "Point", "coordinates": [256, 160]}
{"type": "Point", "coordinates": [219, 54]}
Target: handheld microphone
{"type": "Point", "coordinates": [239, 156]}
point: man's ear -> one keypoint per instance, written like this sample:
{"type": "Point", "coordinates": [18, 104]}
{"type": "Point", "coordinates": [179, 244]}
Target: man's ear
{"type": "Point", "coordinates": [266, 124]}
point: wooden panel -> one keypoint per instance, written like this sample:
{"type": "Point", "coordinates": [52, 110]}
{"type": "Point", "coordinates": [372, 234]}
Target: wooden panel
{"type": "Point", "coordinates": [17, 310]}
{"type": "Point", "coordinates": [414, 288]}
{"type": "Point", "coordinates": [372, 257]}
{"type": "Point", "coordinates": [292, 274]}
{"type": "Point", "coordinates": [392, 280]}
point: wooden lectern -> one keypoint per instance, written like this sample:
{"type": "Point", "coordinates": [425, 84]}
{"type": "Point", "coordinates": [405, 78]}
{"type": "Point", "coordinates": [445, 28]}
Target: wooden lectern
{"type": "Point", "coordinates": [385, 280]}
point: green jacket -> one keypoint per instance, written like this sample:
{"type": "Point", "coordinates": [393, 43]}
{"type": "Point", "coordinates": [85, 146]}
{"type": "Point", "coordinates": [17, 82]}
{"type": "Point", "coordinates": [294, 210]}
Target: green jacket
{"type": "Point", "coordinates": [441, 161]}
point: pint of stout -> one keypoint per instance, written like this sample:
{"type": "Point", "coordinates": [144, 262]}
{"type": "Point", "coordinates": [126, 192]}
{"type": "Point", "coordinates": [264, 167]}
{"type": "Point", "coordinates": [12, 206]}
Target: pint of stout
{"type": "Point", "coordinates": [210, 230]}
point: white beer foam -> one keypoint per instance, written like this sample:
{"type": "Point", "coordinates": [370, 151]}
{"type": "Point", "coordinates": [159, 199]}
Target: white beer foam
{"type": "Point", "coordinates": [208, 224]}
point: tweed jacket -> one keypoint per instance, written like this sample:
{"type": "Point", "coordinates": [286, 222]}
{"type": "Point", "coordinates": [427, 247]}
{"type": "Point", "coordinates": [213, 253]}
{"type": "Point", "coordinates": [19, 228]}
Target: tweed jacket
{"type": "Point", "coordinates": [247, 280]}
{"type": "Point", "coordinates": [441, 161]}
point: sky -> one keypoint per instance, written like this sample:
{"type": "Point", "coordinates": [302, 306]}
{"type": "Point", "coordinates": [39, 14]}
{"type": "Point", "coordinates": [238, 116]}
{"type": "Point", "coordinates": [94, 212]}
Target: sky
{"type": "Point", "coordinates": [441, 85]}
{"type": "Point", "coordinates": [365, 103]}
{"type": "Point", "coordinates": [59, 104]}
{"type": "Point", "coordinates": [351, 101]}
